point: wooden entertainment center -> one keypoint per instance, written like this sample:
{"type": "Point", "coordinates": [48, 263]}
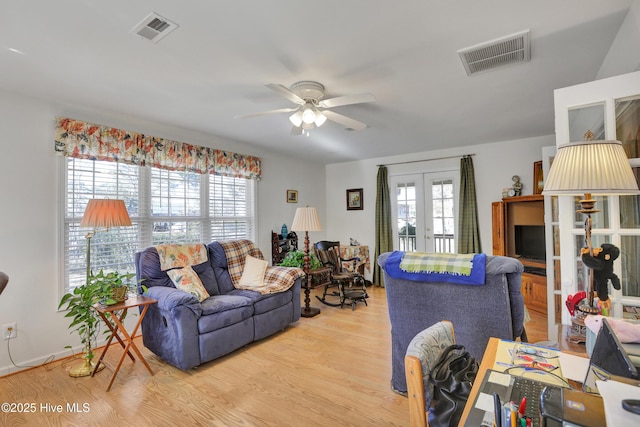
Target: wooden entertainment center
{"type": "Point", "coordinates": [506, 214]}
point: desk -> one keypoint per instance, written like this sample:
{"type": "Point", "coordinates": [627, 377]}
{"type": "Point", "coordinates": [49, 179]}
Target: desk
{"type": "Point", "coordinates": [488, 362]}
{"type": "Point", "coordinates": [117, 328]}
{"type": "Point", "coordinates": [362, 252]}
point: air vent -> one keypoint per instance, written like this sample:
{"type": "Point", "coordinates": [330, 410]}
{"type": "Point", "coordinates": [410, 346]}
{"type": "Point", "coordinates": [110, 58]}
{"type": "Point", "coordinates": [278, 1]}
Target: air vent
{"type": "Point", "coordinates": [496, 53]}
{"type": "Point", "coordinates": [154, 27]}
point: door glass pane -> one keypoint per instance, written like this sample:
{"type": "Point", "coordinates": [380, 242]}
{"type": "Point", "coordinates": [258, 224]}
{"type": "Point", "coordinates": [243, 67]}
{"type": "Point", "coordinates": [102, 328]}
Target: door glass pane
{"type": "Point", "coordinates": [629, 212]}
{"type": "Point", "coordinates": [583, 119]}
{"type": "Point", "coordinates": [443, 215]}
{"type": "Point", "coordinates": [628, 125]}
{"type": "Point", "coordinates": [630, 254]}
{"type": "Point", "coordinates": [406, 216]}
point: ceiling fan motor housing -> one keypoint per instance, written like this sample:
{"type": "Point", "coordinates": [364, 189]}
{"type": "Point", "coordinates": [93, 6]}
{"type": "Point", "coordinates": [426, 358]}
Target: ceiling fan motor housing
{"type": "Point", "coordinates": [308, 90]}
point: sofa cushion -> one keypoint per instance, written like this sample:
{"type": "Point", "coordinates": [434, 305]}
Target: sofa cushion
{"type": "Point", "coordinates": [223, 310]}
{"type": "Point", "coordinates": [265, 302]}
{"type": "Point", "coordinates": [253, 273]}
{"type": "Point", "coordinates": [149, 270]}
{"type": "Point", "coordinates": [220, 303]}
{"type": "Point", "coordinates": [218, 261]}
{"type": "Point", "coordinates": [185, 279]}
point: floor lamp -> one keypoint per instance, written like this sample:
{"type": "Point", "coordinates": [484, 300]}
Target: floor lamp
{"type": "Point", "coordinates": [306, 219]}
{"type": "Point", "coordinates": [585, 168]}
{"type": "Point", "coordinates": [101, 215]}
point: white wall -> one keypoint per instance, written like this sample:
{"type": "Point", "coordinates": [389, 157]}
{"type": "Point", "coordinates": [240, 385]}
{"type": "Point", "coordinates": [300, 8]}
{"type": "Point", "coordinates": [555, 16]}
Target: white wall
{"type": "Point", "coordinates": [494, 165]}
{"type": "Point", "coordinates": [30, 205]}
{"type": "Point", "coordinates": [624, 56]}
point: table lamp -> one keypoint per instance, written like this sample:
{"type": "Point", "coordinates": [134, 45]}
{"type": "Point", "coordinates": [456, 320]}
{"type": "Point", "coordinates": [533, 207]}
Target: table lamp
{"type": "Point", "coordinates": [306, 219]}
{"type": "Point", "coordinates": [586, 168]}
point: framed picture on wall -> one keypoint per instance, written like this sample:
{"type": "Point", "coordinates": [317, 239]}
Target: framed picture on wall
{"type": "Point", "coordinates": [354, 199]}
{"type": "Point", "coordinates": [538, 178]}
{"type": "Point", "coordinates": [292, 196]}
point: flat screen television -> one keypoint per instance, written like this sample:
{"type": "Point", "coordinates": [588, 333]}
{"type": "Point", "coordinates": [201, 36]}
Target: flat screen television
{"type": "Point", "coordinates": [530, 242]}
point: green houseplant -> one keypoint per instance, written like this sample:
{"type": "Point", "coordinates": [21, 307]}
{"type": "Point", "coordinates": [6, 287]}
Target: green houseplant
{"type": "Point", "coordinates": [296, 259]}
{"type": "Point", "coordinates": [79, 303]}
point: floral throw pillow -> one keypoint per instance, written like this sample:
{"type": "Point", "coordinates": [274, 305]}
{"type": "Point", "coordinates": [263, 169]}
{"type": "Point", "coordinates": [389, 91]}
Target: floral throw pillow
{"type": "Point", "coordinates": [188, 281]}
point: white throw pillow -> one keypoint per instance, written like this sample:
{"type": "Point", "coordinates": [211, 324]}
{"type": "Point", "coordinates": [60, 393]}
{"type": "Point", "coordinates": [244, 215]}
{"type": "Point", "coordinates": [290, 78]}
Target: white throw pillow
{"type": "Point", "coordinates": [253, 274]}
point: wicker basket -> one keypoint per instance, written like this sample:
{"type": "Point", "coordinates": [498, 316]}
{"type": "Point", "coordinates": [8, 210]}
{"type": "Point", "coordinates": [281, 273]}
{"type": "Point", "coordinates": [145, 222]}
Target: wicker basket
{"type": "Point", "coordinates": [119, 294]}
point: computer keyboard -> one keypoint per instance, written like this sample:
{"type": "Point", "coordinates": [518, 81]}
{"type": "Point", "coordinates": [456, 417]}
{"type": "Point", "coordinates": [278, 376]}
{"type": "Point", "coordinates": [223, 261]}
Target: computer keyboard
{"type": "Point", "coordinates": [532, 390]}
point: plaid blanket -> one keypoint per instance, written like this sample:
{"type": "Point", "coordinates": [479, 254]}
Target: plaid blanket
{"type": "Point", "coordinates": [181, 255]}
{"type": "Point", "coordinates": [276, 279]}
{"type": "Point", "coordinates": [393, 267]}
{"type": "Point", "coordinates": [236, 252]}
{"type": "Point", "coordinates": [423, 262]}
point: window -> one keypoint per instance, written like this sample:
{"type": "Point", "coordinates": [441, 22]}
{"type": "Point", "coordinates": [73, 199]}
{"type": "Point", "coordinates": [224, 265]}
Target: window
{"type": "Point", "coordinates": [164, 206]}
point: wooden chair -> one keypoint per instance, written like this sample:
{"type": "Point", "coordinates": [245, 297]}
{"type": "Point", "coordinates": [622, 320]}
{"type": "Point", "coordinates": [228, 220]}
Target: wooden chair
{"type": "Point", "coordinates": [422, 354]}
{"type": "Point", "coordinates": [351, 285]}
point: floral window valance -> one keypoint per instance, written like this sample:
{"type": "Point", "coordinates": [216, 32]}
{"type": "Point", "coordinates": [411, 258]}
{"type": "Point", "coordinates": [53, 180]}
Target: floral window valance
{"type": "Point", "coordinates": [82, 140]}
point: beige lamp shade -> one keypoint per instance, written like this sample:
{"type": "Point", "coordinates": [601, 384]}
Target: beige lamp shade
{"type": "Point", "coordinates": [591, 167]}
{"type": "Point", "coordinates": [306, 219]}
{"type": "Point", "coordinates": [105, 213]}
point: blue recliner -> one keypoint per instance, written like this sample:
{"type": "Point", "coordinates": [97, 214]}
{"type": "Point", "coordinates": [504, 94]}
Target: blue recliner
{"type": "Point", "coordinates": [495, 309]}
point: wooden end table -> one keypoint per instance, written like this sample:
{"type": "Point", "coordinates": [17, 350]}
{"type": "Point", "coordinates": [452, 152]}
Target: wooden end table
{"type": "Point", "coordinates": [117, 329]}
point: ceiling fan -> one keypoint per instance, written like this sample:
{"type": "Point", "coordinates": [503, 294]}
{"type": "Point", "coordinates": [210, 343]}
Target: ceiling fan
{"type": "Point", "coordinates": [312, 111]}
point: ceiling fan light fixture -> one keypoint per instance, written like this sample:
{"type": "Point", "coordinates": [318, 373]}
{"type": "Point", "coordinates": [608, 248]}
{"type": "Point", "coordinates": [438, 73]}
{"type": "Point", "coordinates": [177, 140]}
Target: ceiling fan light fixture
{"type": "Point", "coordinates": [296, 118]}
{"type": "Point", "coordinates": [308, 126]}
{"type": "Point", "coordinates": [320, 119]}
{"type": "Point", "coordinates": [308, 113]}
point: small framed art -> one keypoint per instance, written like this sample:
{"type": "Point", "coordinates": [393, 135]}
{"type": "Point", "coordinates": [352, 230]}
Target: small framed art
{"type": "Point", "coordinates": [292, 196]}
{"type": "Point", "coordinates": [354, 199]}
{"type": "Point", "coordinates": [538, 178]}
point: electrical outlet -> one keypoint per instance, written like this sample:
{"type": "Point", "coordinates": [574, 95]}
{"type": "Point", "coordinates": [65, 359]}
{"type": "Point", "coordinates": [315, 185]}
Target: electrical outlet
{"type": "Point", "coordinates": [9, 330]}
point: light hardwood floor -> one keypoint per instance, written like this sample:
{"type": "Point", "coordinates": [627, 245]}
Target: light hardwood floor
{"type": "Point", "coordinates": [333, 369]}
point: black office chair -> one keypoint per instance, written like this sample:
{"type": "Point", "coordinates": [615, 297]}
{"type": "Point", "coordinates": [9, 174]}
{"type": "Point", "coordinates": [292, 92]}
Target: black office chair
{"type": "Point", "coordinates": [4, 279]}
{"type": "Point", "coordinates": [351, 285]}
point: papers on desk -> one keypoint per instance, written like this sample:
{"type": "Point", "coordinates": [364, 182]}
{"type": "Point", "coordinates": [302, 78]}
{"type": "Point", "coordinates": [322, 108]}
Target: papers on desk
{"type": "Point", "coordinates": [613, 393]}
{"type": "Point", "coordinates": [574, 367]}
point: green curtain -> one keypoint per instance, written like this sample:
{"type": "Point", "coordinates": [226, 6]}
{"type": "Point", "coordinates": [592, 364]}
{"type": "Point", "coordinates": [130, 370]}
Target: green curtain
{"type": "Point", "coordinates": [384, 238]}
{"type": "Point", "coordinates": [468, 226]}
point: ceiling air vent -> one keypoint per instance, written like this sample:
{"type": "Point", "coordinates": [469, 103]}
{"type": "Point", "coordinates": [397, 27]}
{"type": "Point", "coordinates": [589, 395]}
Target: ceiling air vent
{"type": "Point", "coordinates": [154, 27]}
{"type": "Point", "coordinates": [496, 53]}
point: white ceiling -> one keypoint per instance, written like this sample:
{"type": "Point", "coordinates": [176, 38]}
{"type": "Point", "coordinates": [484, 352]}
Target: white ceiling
{"type": "Point", "coordinates": [217, 63]}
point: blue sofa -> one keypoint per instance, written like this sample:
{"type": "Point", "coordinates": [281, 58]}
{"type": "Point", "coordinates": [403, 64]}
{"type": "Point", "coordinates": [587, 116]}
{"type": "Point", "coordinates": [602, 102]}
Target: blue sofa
{"type": "Point", "coordinates": [495, 309]}
{"type": "Point", "coordinates": [186, 332]}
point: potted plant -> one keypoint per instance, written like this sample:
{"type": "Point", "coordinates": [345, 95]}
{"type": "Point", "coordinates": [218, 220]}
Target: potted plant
{"type": "Point", "coordinates": [80, 304]}
{"type": "Point", "coordinates": [296, 259]}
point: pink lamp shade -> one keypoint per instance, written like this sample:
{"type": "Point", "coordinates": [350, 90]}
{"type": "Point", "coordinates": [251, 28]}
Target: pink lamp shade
{"type": "Point", "coordinates": [105, 213]}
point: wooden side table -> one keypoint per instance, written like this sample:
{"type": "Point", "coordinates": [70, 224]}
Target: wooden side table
{"type": "Point", "coordinates": [117, 329]}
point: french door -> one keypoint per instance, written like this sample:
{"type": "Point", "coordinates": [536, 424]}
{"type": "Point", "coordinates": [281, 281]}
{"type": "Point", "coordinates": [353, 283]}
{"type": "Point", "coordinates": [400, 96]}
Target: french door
{"type": "Point", "coordinates": [424, 207]}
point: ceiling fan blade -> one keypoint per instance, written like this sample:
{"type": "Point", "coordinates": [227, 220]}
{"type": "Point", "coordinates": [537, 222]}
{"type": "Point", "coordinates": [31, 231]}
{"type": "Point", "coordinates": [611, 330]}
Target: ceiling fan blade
{"type": "Point", "coordinates": [345, 121]}
{"type": "Point", "coordinates": [296, 130]}
{"type": "Point", "coordinates": [286, 93]}
{"type": "Point", "coordinates": [347, 100]}
{"type": "Point", "coordinates": [262, 113]}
